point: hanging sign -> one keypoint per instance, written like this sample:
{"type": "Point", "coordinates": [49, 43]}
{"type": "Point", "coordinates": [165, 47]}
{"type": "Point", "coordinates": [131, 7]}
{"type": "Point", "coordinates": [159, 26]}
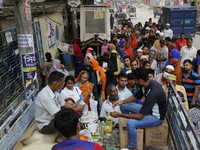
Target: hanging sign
{"type": "Point", "coordinates": [27, 9]}
{"type": "Point", "coordinates": [74, 3]}
{"type": "Point", "coordinates": [28, 62]}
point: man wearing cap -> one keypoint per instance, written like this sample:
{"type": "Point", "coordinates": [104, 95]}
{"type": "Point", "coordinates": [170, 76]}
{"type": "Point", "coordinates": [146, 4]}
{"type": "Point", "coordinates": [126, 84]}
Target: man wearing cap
{"type": "Point", "coordinates": [161, 78]}
{"type": "Point", "coordinates": [139, 54]}
{"type": "Point", "coordinates": [168, 32]}
{"type": "Point", "coordinates": [147, 29]}
{"type": "Point", "coordinates": [179, 88]}
{"type": "Point", "coordinates": [142, 59]}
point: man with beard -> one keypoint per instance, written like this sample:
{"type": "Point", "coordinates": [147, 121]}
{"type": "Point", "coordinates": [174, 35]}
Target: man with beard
{"type": "Point", "coordinates": [150, 114]}
{"type": "Point", "coordinates": [191, 83]}
{"type": "Point", "coordinates": [107, 105]}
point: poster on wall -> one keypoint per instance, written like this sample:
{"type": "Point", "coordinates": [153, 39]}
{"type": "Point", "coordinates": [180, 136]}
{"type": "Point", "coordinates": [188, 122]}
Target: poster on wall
{"type": "Point", "coordinates": [50, 34]}
{"type": "Point", "coordinates": [29, 68]}
{"type": "Point", "coordinates": [28, 61]}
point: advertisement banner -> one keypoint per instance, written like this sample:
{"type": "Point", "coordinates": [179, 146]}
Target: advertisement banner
{"type": "Point", "coordinates": [28, 62]}
{"type": "Point", "coordinates": [27, 9]}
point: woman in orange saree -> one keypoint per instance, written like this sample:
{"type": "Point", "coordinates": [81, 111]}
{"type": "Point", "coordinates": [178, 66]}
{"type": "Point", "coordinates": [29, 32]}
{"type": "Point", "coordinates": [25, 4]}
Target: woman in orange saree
{"type": "Point", "coordinates": [85, 86]}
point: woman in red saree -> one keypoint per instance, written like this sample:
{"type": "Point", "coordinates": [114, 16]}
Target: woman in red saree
{"type": "Point", "coordinates": [85, 86]}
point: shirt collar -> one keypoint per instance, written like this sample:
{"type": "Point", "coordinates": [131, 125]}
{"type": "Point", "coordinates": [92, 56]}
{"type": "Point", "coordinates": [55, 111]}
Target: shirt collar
{"type": "Point", "coordinates": [51, 93]}
{"type": "Point", "coordinates": [122, 90]}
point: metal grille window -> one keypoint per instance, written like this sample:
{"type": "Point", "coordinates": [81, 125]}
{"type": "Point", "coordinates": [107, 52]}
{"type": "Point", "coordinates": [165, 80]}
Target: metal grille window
{"type": "Point", "coordinates": [11, 85]}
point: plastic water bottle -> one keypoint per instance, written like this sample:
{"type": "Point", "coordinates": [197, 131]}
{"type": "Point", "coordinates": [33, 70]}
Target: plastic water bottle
{"type": "Point", "coordinates": [108, 126]}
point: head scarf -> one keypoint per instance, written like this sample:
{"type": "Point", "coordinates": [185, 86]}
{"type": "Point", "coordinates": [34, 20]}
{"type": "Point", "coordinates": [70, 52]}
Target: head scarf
{"type": "Point", "coordinates": [175, 55]}
{"type": "Point", "coordinates": [89, 53]}
{"type": "Point", "coordinates": [95, 66]}
{"type": "Point", "coordinates": [111, 47]}
{"type": "Point", "coordinates": [177, 70]}
{"type": "Point", "coordinates": [77, 50]}
{"type": "Point", "coordinates": [134, 41]}
{"type": "Point", "coordinates": [121, 42]}
{"type": "Point", "coordinates": [57, 67]}
{"type": "Point", "coordinates": [113, 58]}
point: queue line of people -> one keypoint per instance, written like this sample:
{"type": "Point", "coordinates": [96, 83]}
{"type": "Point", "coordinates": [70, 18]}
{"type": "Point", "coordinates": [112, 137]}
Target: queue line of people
{"type": "Point", "coordinates": [133, 73]}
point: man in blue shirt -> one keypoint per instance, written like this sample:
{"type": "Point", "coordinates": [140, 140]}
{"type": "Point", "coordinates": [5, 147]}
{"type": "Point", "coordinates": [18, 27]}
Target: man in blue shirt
{"type": "Point", "coordinates": [67, 123]}
{"type": "Point", "coordinates": [191, 82]}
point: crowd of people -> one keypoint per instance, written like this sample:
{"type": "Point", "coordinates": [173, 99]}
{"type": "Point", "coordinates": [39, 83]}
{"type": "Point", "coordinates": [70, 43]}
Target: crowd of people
{"type": "Point", "coordinates": [131, 77]}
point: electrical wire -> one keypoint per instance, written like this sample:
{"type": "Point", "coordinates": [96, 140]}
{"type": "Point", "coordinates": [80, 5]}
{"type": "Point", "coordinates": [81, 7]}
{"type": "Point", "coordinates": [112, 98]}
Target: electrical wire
{"type": "Point", "coordinates": [46, 14]}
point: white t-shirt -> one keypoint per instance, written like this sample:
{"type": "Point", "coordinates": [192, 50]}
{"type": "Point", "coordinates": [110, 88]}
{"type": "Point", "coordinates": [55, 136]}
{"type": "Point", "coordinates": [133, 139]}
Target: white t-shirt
{"type": "Point", "coordinates": [107, 108]}
{"type": "Point", "coordinates": [124, 94]}
{"type": "Point", "coordinates": [75, 93]}
{"type": "Point", "coordinates": [187, 53]}
{"type": "Point", "coordinates": [47, 104]}
{"type": "Point", "coordinates": [168, 33]}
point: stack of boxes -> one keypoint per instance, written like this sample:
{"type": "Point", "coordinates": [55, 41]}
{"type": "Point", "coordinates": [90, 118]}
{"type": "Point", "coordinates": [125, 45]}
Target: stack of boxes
{"type": "Point", "coordinates": [154, 136]}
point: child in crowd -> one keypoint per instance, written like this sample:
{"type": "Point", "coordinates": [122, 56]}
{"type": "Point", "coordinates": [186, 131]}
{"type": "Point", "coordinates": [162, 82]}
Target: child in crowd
{"type": "Point", "coordinates": [70, 90]}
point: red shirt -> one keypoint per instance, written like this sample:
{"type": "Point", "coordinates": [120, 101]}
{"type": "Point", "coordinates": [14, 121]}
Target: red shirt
{"type": "Point", "coordinates": [179, 44]}
{"type": "Point", "coordinates": [170, 47]}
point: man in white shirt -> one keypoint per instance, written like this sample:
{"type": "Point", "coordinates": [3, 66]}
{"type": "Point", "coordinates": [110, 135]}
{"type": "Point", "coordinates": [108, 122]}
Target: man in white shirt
{"type": "Point", "coordinates": [188, 51]}
{"type": "Point", "coordinates": [49, 102]}
{"type": "Point", "coordinates": [168, 32]}
{"type": "Point", "coordinates": [107, 105]}
{"type": "Point", "coordinates": [123, 91]}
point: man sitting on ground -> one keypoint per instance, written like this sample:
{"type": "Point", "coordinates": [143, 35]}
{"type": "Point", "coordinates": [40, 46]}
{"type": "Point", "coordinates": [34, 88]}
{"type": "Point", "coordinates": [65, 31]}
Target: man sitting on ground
{"type": "Point", "coordinates": [49, 102]}
{"type": "Point", "coordinates": [150, 114]}
{"type": "Point", "coordinates": [107, 105]}
{"type": "Point", "coordinates": [67, 123]}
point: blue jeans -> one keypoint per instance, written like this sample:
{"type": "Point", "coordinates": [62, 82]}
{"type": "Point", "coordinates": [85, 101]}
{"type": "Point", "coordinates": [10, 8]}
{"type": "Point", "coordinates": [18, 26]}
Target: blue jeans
{"type": "Point", "coordinates": [132, 124]}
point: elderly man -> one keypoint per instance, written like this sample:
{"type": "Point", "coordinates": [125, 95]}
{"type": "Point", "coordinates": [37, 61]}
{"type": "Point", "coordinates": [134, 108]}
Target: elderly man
{"type": "Point", "coordinates": [161, 78]}
{"type": "Point", "coordinates": [168, 32]}
{"type": "Point", "coordinates": [49, 102]}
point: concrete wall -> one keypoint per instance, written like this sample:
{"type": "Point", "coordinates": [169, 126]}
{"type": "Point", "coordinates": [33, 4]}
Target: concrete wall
{"type": "Point", "coordinates": [7, 24]}
{"type": "Point", "coordinates": [58, 17]}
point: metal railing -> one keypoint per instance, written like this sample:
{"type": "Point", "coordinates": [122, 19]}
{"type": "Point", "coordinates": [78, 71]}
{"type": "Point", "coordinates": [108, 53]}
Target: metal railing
{"type": "Point", "coordinates": [182, 129]}
{"type": "Point", "coordinates": [16, 103]}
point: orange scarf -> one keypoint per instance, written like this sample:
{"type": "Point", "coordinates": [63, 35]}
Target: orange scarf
{"type": "Point", "coordinates": [95, 66]}
{"type": "Point", "coordinates": [134, 41]}
{"type": "Point", "coordinates": [86, 89]}
{"type": "Point", "coordinates": [129, 52]}
{"type": "Point", "coordinates": [177, 70]}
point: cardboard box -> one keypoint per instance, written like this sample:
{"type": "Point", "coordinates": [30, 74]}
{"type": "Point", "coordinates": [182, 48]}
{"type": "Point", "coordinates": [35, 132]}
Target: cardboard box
{"type": "Point", "coordinates": [157, 136]}
{"type": "Point", "coordinates": [123, 135]}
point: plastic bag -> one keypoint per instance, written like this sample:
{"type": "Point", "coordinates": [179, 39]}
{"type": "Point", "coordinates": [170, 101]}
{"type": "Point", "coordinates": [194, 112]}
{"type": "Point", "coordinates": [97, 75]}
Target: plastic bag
{"type": "Point", "coordinates": [109, 147]}
{"type": "Point", "coordinates": [63, 47]}
{"type": "Point", "coordinates": [93, 104]}
{"type": "Point", "coordinates": [87, 134]}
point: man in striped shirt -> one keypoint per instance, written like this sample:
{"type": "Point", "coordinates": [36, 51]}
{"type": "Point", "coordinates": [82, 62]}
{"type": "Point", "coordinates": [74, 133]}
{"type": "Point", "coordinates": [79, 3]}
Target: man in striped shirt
{"type": "Point", "coordinates": [191, 82]}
